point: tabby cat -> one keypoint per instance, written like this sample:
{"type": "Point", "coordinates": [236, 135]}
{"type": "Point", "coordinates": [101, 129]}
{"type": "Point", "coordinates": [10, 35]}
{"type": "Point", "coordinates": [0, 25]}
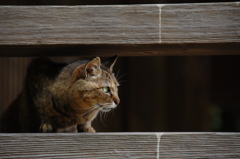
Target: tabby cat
{"type": "Point", "coordinates": [62, 97]}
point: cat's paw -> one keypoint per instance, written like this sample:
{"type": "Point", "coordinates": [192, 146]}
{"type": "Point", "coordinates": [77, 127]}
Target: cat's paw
{"type": "Point", "coordinates": [69, 129]}
{"type": "Point", "coordinates": [89, 129]}
{"type": "Point", "coordinates": [85, 128]}
{"type": "Point", "coordinates": [46, 128]}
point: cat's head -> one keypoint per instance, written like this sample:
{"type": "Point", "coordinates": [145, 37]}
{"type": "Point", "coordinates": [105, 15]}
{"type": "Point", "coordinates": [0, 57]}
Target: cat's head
{"type": "Point", "coordinates": [94, 86]}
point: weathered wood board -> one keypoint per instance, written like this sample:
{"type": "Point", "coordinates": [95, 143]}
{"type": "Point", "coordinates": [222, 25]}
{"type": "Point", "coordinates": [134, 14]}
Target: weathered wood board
{"type": "Point", "coordinates": [161, 29]}
{"type": "Point", "coordinates": [121, 145]}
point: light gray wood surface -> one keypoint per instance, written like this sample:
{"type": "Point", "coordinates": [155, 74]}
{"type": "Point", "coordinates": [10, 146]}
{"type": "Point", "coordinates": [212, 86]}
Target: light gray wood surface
{"type": "Point", "coordinates": [200, 23]}
{"type": "Point", "coordinates": [121, 145]}
{"type": "Point", "coordinates": [151, 30]}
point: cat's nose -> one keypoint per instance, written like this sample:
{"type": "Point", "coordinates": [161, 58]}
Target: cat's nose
{"type": "Point", "coordinates": [117, 101]}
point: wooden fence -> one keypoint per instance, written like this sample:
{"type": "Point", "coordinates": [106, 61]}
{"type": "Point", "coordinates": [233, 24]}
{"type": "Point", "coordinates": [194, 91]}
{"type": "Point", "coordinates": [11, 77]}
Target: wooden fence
{"type": "Point", "coordinates": [126, 30]}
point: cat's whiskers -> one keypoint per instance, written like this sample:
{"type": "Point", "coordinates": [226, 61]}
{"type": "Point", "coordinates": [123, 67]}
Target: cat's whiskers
{"type": "Point", "coordinates": [121, 76]}
{"type": "Point", "coordinates": [105, 104]}
{"type": "Point", "coordinates": [122, 81]}
{"type": "Point", "coordinates": [117, 73]}
{"type": "Point", "coordinates": [103, 116]}
{"type": "Point", "coordinates": [84, 96]}
{"type": "Point", "coordinates": [84, 108]}
{"type": "Point", "coordinates": [89, 111]}
{"type": "Point", "coordinates": [113, 113]}
{"type": "Point", "coordinates": [100, 112]}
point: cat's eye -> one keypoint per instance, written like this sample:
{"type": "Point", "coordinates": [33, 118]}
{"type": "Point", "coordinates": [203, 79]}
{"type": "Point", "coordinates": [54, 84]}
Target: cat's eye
{"type": "Point", "coordinates": [106, 89]}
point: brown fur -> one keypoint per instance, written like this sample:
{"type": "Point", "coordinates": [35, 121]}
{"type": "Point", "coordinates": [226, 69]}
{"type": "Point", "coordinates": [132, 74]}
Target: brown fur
{"type": "Point", "coordinates": [61, 97]}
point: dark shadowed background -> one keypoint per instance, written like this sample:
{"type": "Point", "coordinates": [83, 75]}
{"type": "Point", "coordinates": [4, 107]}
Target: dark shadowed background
{"type": "Point", "coordinates": [194, 93]}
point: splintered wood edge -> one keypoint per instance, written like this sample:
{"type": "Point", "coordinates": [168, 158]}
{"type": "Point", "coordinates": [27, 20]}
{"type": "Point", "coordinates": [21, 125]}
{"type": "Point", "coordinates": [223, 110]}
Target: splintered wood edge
{"type": "Point", "coordinates": [121, 145]}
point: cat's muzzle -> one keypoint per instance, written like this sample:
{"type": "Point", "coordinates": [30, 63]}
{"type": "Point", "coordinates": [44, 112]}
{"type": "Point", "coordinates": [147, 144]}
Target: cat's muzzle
{"type": "Point", "coordinates": [107, 107]}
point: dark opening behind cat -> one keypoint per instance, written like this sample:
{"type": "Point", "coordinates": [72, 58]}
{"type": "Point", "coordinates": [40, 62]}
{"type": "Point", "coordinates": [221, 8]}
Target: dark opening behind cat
{"type": "Point", "coordinates": [62, 97]}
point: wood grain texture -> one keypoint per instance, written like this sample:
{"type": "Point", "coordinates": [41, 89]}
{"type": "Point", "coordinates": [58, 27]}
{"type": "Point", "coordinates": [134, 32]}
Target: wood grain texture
{"type": "Point", "coordinates": [126, 24]}
{"type": "Point", "coordinates": [139, 30]}
{"type": "Point", "coordinates": [36, 25]}
{"type": "Point", "coordinates": [200, 23]}
{"type": "Point", "coordinates": [121, 145]}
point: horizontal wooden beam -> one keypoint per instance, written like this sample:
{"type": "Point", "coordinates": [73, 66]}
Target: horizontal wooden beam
{"type": "Point", "coordinates": [123, 24]}
{"type": "Point", "coordinates": [121, 145]}
{"type": "Point", "coordinates": [170, 25]}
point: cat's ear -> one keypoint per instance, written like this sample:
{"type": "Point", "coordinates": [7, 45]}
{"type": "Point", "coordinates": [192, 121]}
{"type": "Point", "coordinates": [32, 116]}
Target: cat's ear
{"type": "Point", "coordinates": [109, 63]}
{"type": "Point", "coordinates": [92, 68]}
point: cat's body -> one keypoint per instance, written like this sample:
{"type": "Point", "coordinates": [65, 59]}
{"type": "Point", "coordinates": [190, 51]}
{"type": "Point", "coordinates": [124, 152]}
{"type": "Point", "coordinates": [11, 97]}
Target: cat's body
{"type": "Point", "coordinates": [62, 97]}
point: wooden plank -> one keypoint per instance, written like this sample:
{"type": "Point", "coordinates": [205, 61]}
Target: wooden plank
{"type": "Point", "coordinates": [121, 145]}
{"type": "Point", "coordinates": [200, 23]}
{"type": "Point", "coordinates": [158, 29]}
{"type": "Point", "coordinates": [37, 25]}
{"type": "Point", "coordinates": [120, 24]}
{"type": "Point", "coordinates": [195, 145]}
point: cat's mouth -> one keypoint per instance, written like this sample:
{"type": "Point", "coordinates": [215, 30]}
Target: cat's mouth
{"type": "Point", "coordinates": [103, 109]}
{"type": "Point", "coordinates": [106, 107]}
